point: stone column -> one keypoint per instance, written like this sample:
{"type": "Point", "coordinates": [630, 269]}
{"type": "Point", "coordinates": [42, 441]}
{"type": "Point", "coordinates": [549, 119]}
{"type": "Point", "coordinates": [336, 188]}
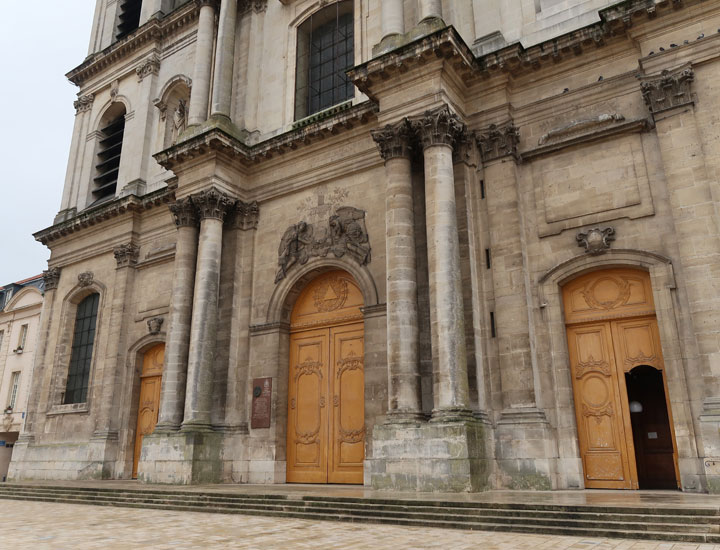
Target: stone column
{"type": "Point", "coordinates": [438, 131]}
{"type": "Point", "coordinates": [172, 396]}
{"type": "Point", "coordinates": [402, 309]}
{"type": "Point", "coordinates": [695, 213]}
{"type": "Point", "coordinates": [224, 58]}
{"type": "Point", "coordinates": [200, 94]}
{"type": "Point", "coordinates": [430, 9]}
{"type": "Point", "coordinates": [393, 18]}
{"type": "Point", "coordinates": [212, 206]}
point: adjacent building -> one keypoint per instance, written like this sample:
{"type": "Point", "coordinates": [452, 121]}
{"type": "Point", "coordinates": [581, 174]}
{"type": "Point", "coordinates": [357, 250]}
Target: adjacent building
{"type": "Point", "coordinates": [415, 244]}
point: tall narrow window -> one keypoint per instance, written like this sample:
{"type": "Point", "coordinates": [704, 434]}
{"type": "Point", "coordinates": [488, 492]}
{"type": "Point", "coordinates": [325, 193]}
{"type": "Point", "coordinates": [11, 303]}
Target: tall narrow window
{"type": "Point", "coordinates": [324, 53]}
{"type": "Point", "coordinates": [108, 156]}
{"type": "Point", "coordinates": [2, 335]}
{"type": "Point", "coordinates": [128, 17]}
{"type": "Point", "coordinates": [14, 385]}
{"type": "Point", "coordinates": [82, 349]}
{"type": "Point", "coordinates": [22, 338]}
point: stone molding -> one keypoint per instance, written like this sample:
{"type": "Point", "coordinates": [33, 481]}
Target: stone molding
{"type": "Point", "coordinates": [244, 215]}
{"type": "Point", "coordinates": [83, 103]}
{"type": "Point", "coordinates": [126, 255]}
{"type": "Point", "coordinates": [668, 90]}
{"type": "Point", "coordinates": [150, 66]}
{"type": "Point", "coordinates": [394, 140]}
{"type": "Point", "coordinates": [184, 212]}
{"type": "Point", "coordinates": [438, 127]}
{"type": "Point", "coordinates": [212, 204]}
{"type": "Point", "coordinates": [51, 278]}
{"type": "Point", "coordinates": [596, 241]}
{"type": "Point", "coordinates": [497, 142]}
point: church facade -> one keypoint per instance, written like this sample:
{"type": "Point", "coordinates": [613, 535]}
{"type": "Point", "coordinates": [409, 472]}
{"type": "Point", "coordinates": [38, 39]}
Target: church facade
{"type": "Point", "coordinates": [411, 244]}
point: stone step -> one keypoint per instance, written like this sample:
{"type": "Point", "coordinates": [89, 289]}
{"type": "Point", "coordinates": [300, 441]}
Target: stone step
{"type": "Point", "coordinates": [598, 531]}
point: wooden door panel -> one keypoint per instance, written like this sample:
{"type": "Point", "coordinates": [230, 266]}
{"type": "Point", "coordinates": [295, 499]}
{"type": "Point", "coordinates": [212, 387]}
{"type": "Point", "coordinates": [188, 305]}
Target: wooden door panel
{"type": "Point", "coordinates": [603, 445]}
{"type": "Point", "coordinates": [637, 342]}
{"type": "Point", "coordinates": [307, 410]}
{"type": "Point", "coordinates": [149, 402]}
{"type": "Point", "coordinates": [347, 426]}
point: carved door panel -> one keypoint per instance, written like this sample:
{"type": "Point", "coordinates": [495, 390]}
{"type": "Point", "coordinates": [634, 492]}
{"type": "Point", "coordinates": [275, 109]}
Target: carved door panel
{"type": "Point", "coordinates": [307, 435]}
{"type": "Point", "coordinates": [347, 424]}
{"type": "Point", "coordinates": [602, 427]}
{"type": "Point", "coordinates": [149, 403]}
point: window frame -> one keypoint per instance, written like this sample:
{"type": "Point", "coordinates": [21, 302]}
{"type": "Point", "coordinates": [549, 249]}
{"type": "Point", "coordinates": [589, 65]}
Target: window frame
{"type": "Point", "coordinates": [82, 353]}
{"type": "Point", "coordinates": [22, 337]}
{"type": "Point", "coordinates": [14, 389]}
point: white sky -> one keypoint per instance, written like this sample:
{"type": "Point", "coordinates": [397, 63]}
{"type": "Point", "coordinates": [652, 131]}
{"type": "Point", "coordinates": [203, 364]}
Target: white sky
{"type": "Point", "coordinates": [37, 48]}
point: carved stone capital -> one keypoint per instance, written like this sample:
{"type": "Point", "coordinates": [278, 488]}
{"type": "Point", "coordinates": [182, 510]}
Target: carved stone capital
{"type": "Point", "coordinates": [668, 90]}
{"type": "Point", "coordinates": [126, 255]}
{"type": "Point", "coordinates": [148, 67]}
{"type": "Point", "coordinates": [155, 325]}
{"type": "Point", "coordinates": [465, 150]}
{"type": "Point", "coordinates": [86, 278]}
{"type": "Point", "coordinates": [51, 277]}
{"type": "Point", "coordinates": [212, 204]}
{"type": "Point", "coordinates": [498, 142]}
{"type": "Point", "coordinates": [394, 140]}
{"type": "Point", "coordinates": [184, 213]}
{"type": "Point", "coordinates": [244, 216]}
{"type": "Point", "coordinates": [438, 127]}
{"type": "Point", "coordinates": [83, 103]}
{"type": "Point", "coordinates": [258, 6]}
{"type": "Point", "coordinates": [596, 241]}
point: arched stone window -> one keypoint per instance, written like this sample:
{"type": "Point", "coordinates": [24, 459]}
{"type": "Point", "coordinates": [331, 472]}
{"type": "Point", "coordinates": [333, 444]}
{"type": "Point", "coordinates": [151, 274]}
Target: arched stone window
{"type": "Point", "coordinates": [128, 18]}
{"type": "Point", "coordinates": [324, 52]}
{"type": "Point", "coordinates": [83, 342]}
{"type": "Point", "coordinates": [112, 131]}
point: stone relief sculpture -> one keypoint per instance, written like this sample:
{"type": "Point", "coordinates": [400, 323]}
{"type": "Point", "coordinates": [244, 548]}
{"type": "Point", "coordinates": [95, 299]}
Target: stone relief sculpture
{"type": "Point", "coordinates": [596, 241]}
{"type": "Point", "coordinates": [346, 234]}
{"type": "Point", "coordinates": [179, 121]}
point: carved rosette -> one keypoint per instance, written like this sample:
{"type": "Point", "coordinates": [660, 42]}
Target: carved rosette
{"type": "Point", "coordinates": [212, 204]}
{"type": "Point", "coordinates": [126, 255]}
{"type": "Point", "coordinates": [669, 90]}
{"type": "Point", "coordinates": [498, 141]}
{"type": "Point", "coordinates": [83, 103]}
{"type": "Point", "coordinates": [244, 216]}
{"type": "Point", "coordinates": [596, 241]}
{"type": "Point", "coordinates": [86, 278]}
{"type": "Point", "coordinates": [438, 127]}
{"type": "Point", "coordinates": [51, 278]}
{"type": "Point", "coordinates": [155, 324]}
{"type": "Point", "coordinates": [184, 213]}
{"type": "Point", "coordinates": [148, 67]}
{"type": "Point", "coordinates": [394, 140]}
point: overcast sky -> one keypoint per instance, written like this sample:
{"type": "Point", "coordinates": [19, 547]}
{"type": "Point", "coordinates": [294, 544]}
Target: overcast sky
{"type": "Point", "coordinates": [37, 48]}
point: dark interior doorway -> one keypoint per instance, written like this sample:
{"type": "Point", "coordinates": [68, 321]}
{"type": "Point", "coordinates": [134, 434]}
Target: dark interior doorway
{"type": "Point", "coordinates": [651, 428]}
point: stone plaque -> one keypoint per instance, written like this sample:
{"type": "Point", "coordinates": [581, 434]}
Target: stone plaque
{"type": "Point", "coordinates": [261, 401]}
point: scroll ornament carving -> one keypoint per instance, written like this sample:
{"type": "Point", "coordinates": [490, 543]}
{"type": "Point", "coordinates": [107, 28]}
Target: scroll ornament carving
{"type": "Point", "coordinates": [184, 212]}
{"type": "Point", "coordinates": [126, 254]}
{"type": "Point", "coordinates": [670, 89]}
{"type": "Point", "coordinates": [394, 141]}
{"type": "Point", "coordinates": [498, 142]}
{"type": "Point", "coordinates": [212, 204]}
{"type": "Point", "coordinates": [86, 278]}
{"type": "Point", "coordinates": [51, 278]}
{"type": "Point", "coordinates": [308, 367]}
{"type": "Point", "coordinates": [607, 410]}
{"type": "Point", "coordinates": [346, 234]}
{"type": "Point", "coordinates": [438, 127]}
{"type": "Point", "coordinates": [331, 295]}
{"type": "Point", "coordinates": [83, 103]}
{"type": "Point", "coordinates": [596, 241]}
{"type": "Point", "coordinates": [155, 325]}
{"type": "Point", "coordinates": [148, 67]}
{"type": "Point", "coordinates": [622, 294]}
{"type": "Point", "coordinates": [349, 363]}
{"type": "Point", "coordinates": [245, 215]}
{"type": "Point", "coordinates": [592, 365]}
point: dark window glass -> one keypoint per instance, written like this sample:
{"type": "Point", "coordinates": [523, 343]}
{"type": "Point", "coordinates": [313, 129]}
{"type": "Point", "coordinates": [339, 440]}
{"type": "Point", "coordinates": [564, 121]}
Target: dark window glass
{"type": "Point", "coordinates": [128, 17]}
{"type": "Point", "coordinates": [82, 348]}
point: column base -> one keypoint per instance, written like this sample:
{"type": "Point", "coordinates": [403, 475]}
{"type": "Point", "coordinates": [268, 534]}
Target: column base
{"type": "Point", "coordinates": [429, 457]}
{"type": "Point", "coordinates": [182, 458]}
{"type": "Point", "coordinates": [194, 426]}
{"type": "Point", "coordinates": [404, 417]}
{"type": "Point", "coordinates": [710, 430]}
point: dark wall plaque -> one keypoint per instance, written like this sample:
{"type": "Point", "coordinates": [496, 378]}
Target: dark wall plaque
{"type": "Point", "coordinates": [261, 401]}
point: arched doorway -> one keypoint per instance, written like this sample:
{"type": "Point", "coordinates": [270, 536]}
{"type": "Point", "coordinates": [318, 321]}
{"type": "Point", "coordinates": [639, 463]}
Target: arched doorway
{"type": "Point", "coordinates": [613, 339]}
{"type": "Point", "coordinates": [149, 402]}
{"type": "Point", "coordinates": [326, 397]}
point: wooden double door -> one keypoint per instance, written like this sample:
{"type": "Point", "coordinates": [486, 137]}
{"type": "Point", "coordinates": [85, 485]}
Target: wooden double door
{"type": "Point", "coordinates": [616, 361]}
{"type": "Point", "coordinates": [149, 402]}
{"type": "Point", "coordinates": [326, 396]}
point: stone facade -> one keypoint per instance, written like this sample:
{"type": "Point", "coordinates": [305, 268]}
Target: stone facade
{"type": "Point", "coordinates": [513, 149]}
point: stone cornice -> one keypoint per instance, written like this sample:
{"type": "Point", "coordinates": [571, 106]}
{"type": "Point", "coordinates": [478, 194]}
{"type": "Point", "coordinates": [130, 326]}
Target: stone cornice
{"type": "Point", "coordinates": [95, 215]}
{"type": "Point", "coordinates": [152, 31]}
{"type": "Point", "coordinates": [216, 138]}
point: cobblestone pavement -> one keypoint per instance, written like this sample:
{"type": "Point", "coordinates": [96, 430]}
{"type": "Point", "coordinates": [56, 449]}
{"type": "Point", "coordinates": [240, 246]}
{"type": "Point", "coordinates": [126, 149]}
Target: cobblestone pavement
{"type": "Point", "coordinates": [53, 526]}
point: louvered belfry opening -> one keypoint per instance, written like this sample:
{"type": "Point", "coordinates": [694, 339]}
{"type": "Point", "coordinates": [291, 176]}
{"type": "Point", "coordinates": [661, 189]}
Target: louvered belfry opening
{"type": "Point", "coordinates": [108, 158]}
{"type": "Point", "coordinates": [128, 18]}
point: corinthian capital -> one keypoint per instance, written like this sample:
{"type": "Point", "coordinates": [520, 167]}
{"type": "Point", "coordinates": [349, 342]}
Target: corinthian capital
{"type": "Point", "coordinates": [498, 142]}
{"type": "Point", "coordinates": [244, 215]}
{"type": "Point", "coordinates": [184, 212]}
{"type": "Point", "coordinates": [438, 127]}
{"type": "Point", "coordinates": [212, 204]}
{"type": "Point", "coordinates": [394, 140]}
{"type": "Point", "coordinates": [668, 90]}
{"type": "Point", "coordinates": [51, 278]}
{"type": "Point", "coordinates": [83, 103]}
{"type": "Point", "coordinates": [126, 254]}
